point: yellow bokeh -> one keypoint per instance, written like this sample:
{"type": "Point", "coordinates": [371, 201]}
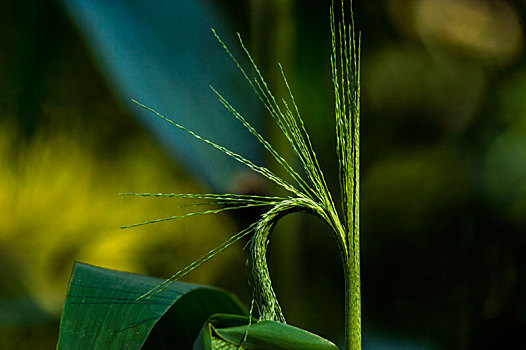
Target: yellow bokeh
{"type": "Point", "coordinates": [59, 203]}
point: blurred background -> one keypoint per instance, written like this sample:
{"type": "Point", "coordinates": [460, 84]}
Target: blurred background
{"type": "Point", "coordinates": [443, 159]}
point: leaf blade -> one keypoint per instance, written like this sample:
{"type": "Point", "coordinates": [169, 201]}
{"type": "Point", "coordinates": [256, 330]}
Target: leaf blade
{"type": "Point", "coordinates": [261, 335]}
{"type": "Point", "coordinates": [102, 310]}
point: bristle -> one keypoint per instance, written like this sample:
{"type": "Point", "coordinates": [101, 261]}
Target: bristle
{"type": "Point", "coordinates": [311, 194]}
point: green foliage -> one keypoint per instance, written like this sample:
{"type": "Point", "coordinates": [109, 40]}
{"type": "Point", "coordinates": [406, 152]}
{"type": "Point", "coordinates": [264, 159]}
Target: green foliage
{"type": "Point", "coordinates": [230, 331]}
{"type": "Point", "coordinates": [102, 312]}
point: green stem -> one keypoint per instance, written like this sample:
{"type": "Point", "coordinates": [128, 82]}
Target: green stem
{"type": "Point", "coordinates": [263, 293]}
{"type": "Point", "coordinates": [353, 306]}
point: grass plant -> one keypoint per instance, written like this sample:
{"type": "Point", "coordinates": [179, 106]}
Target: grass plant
{"type": "Point", "coordinates": [307, 188]}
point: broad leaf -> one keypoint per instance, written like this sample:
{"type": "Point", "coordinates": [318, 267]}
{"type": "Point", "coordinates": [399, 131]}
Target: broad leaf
{"type": "Point", "coordinates": [229, 331]}
{"type": "Point", "coordinates": [102, 311]}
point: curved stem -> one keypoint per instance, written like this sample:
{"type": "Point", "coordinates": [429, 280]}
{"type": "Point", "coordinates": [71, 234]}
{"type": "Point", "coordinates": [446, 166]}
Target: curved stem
{"type": "Point", "coordinates": [264, 295]}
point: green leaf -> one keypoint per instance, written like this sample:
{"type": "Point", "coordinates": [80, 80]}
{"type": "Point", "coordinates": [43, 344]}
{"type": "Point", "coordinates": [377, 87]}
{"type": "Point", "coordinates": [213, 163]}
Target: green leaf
{"type": "Point", "coordinates": [101, 311]}
{"type": "Point", "coordinates": [228, 332]}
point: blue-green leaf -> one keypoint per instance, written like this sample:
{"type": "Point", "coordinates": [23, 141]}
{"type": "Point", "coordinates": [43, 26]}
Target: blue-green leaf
{"type": "Point", "coordinates": [163, 54]}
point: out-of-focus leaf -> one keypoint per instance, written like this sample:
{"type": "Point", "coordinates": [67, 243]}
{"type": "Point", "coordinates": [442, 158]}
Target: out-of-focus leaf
{"type": "Point", "coordinates": [383, 341]}
{"type": "Point", "coordinates": [102, 311]}
{"type": "Point", "coordinates": [163, 54]}
{"type": "Point", "coordinates": [22, 312]}
{"type": "Point", "coordinates": [226, 331]}
{"type": "Point", "coordinates": [506, 172]}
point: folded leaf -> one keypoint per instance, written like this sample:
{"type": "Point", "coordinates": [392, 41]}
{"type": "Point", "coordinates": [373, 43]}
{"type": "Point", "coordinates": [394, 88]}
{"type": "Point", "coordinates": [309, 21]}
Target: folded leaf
{"type": "Point", "coordinates": [232, 331]}
{"type": "Point", "coordinates": [101, 311]}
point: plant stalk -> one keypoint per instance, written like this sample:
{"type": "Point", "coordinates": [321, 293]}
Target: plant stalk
{"type": "Point", "coordinates": [312, 196]}
{"type": "Point", "coordinates": [263, 293]}
{"type": "Point", "coordinates": [353, 306]}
